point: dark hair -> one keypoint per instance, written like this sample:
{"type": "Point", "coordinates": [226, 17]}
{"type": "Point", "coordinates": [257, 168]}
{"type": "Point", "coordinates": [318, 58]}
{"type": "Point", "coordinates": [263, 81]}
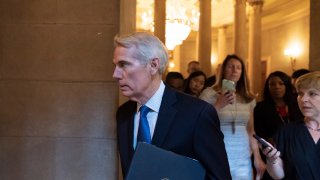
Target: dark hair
{"type": "Point", "coordinates": [193, 62]}
{"type": "Point", "coordinates": [289, 98]}
{"type": "Point", "coordinates": [210, 81]}
{"type": "Point", "coordinates": [299, 72]}
{"type": "Point", "coordinates": [287, 83]}
{"type": "Point", "coordinates": [191, 76]}
{"type": "Point", "coordinates": [174, 75]}
{"type": "Point", "coordinates": [242, 87]}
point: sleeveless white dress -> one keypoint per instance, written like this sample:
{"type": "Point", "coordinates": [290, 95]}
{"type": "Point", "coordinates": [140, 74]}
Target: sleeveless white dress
{"type": "Point", "coordinates": [237, 142]}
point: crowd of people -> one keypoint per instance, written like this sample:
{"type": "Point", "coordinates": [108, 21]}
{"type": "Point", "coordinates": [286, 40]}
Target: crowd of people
{"type": "Point", "coordinates": [218, 115]}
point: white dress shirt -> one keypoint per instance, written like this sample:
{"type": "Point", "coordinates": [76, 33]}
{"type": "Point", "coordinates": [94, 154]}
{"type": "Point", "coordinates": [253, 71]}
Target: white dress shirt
{"type": "Point", "coordinates": [154, 104]}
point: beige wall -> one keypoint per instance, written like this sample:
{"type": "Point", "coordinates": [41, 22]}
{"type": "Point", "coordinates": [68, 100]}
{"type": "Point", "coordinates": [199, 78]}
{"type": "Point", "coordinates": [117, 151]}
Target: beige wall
{"type": "Point", "coordinates": [276, 39]}
{"type": "Point", "coordinates": [57, 96]}
{"type": "Point", "coordinates": [187, 53]}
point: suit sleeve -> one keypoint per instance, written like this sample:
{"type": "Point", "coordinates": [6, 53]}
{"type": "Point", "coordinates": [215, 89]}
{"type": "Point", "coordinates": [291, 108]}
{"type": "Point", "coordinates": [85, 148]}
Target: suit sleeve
{"type": "Point", "coordinates": [209, 146]}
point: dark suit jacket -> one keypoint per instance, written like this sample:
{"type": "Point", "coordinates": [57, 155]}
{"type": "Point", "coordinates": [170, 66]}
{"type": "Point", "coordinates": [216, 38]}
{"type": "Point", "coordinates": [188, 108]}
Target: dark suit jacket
{"type": "Point", "coordinates": [186, 126]}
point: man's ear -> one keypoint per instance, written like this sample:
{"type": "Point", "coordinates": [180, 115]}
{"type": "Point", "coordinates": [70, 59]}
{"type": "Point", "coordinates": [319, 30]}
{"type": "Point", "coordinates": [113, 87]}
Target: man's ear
{"type": "Point", "coordinates": [155, 65]}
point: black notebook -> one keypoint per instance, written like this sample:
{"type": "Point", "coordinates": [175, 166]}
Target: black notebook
{"type": "Point", "coordinates": [152, 163]}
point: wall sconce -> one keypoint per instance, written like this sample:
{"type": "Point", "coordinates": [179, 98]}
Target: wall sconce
{"type": "Point", "coordinates": [292, 52]}
{"type": "Point", "coordinates": [213, 59]}
{"type": "Point", "coordinates": [171, 65]}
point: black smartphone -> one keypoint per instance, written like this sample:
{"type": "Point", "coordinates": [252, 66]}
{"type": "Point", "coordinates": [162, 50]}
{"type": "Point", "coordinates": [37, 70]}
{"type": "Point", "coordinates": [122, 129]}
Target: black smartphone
{"type": "Point", "coordinates": [262, 141]}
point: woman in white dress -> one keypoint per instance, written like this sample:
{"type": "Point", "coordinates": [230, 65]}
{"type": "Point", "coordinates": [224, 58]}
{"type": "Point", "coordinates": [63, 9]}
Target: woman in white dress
{"type": "Point", "coordinates": [235, 109]}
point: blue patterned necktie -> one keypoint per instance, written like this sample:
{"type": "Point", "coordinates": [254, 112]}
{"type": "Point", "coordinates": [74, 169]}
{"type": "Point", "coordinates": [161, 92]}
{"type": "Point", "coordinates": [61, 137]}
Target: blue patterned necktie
{"type": "Point", "coordinates": [144, 129]}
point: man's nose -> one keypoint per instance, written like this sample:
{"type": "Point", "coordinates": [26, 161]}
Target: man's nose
{"type": "Point", "coordinates": [116, 73]}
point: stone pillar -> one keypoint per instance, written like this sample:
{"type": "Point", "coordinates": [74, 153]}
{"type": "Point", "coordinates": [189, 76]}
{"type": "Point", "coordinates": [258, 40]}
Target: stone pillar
{"type": "Point", "coordinates": [254, 55]}
{"type": "Point", "coordinates": [160, 19]}
{"type": "Point", "coordinates": [204, 54]}
{"type": "Point", "coordinates": [58, 97]}
{"type": "Point", "coordinates": [240, 35]}
{"type": "Point", "coordinates": [127, 16]}
{"type": "Point", "coordinates": [160, 23]}
{"type": "Point", "coordinates": [127, 26]}
{"type": "Point", "coordinates": [314, 54]}
{"type": "Point", "coordinates": [222, 43]}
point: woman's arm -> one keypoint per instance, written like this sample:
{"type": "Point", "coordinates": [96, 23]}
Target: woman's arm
{"type": "Point", "coordinates": [223, 99]}
{"type": "Point", "coordinates": [218, 99]}
{"type": "Point", "coordinates": [274, 163]}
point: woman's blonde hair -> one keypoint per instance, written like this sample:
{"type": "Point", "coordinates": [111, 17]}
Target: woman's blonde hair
{"type": "Point", "coordinates": [309, 80]}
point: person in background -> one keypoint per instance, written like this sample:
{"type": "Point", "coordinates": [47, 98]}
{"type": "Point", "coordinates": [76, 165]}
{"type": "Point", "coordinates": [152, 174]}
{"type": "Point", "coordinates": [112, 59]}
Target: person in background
{"type": "Point", "coordinates": [235, 110]}
{"type": "Point", "coordinates": [277, 108]}
{"type": "Point", "coordinates": [296, 74]}
{"type": "Point", "coordinates": [175, 80]}
{"type": "Point", "coordinates": [172, 120]}
{"type": "Point", "coordinates": [210, 81]}
{"type": "Point", "coordinates": [195, 83]}
{"type": "Point", "coordinates": [193, 66]}
{"type": "Point", "coordinates": [296, 153]}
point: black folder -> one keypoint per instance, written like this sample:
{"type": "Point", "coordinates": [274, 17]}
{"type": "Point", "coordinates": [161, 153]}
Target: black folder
{"type": "Point", "coordinates": [152, 163]}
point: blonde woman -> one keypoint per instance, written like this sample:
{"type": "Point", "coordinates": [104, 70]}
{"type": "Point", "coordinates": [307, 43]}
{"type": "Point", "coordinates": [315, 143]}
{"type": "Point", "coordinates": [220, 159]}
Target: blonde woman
{"type": "Point", "coordinates": [297, 147]}
{"type": "Point", "coordinates": [235, 111]}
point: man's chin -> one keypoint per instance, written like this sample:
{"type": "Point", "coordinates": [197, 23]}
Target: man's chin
{"type": "Point", "coordinates": [126, 93]}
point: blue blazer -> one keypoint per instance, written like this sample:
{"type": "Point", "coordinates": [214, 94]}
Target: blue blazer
{"type": "Point", "coordinates": [186, 125]}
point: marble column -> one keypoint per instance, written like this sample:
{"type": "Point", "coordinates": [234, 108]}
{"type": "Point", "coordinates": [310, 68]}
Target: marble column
{"type": "Point", "coordinates": [240, 35]}
{"type": "Point", "coordinates": [222, 43]}
{"type": "Point", "coordinates": [204, 51]}
{"type": "Point", "coordinates": [160, 19]}
{"type": "Point", "coordinates": [127, 16]}
{"type": "Point", "coordinates": [57, 110]}
{"type": "Point", "coordinates": [314, 54]}
{"type": "Point", "coordinates": [254, 54]}
{"type": "Point", "coordinates": [127, 26]}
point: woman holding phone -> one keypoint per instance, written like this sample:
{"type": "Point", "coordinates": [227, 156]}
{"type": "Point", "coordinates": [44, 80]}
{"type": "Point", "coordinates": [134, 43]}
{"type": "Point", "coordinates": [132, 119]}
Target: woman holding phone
{"type": "Point", "coordinates": [234, 103]}
{"type": "Point", "coordinates": [296, 154]}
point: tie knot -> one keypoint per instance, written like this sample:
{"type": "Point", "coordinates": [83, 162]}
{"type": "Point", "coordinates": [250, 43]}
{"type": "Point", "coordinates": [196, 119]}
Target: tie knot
{"type": "Point", "coordinates": [144, 110]}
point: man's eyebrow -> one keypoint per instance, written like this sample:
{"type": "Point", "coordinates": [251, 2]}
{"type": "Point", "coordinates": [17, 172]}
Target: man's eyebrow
{"type": "Point", "coordinates": [122, 61]}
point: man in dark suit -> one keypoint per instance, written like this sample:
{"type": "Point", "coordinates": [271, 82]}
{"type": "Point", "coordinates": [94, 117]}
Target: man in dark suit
{"type": "Point", "coordinates": [177, 122]}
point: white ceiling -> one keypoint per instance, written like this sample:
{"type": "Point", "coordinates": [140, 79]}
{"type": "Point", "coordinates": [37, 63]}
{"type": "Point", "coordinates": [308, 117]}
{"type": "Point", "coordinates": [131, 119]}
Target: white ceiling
{"type": "Point", "coordinates": [274, 11]}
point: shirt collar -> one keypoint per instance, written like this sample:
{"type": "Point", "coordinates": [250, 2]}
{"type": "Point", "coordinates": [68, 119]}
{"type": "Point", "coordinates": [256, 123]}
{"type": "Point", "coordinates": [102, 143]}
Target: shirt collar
{"type": "Point", "coordinates": [155, 101]}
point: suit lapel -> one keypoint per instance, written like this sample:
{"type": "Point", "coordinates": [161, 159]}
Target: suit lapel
{"type": "Point", "coordinates": [166, 116]}
{"type": "Point", "coordinates": [126, 130]}
{"type": "Point", "coordinates": [131, 127]}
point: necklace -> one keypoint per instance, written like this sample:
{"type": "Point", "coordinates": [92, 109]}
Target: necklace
{"type": "Point", "coordinates": [317, 130]}
{"type": "Point", "coordinates": [234, 113]}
